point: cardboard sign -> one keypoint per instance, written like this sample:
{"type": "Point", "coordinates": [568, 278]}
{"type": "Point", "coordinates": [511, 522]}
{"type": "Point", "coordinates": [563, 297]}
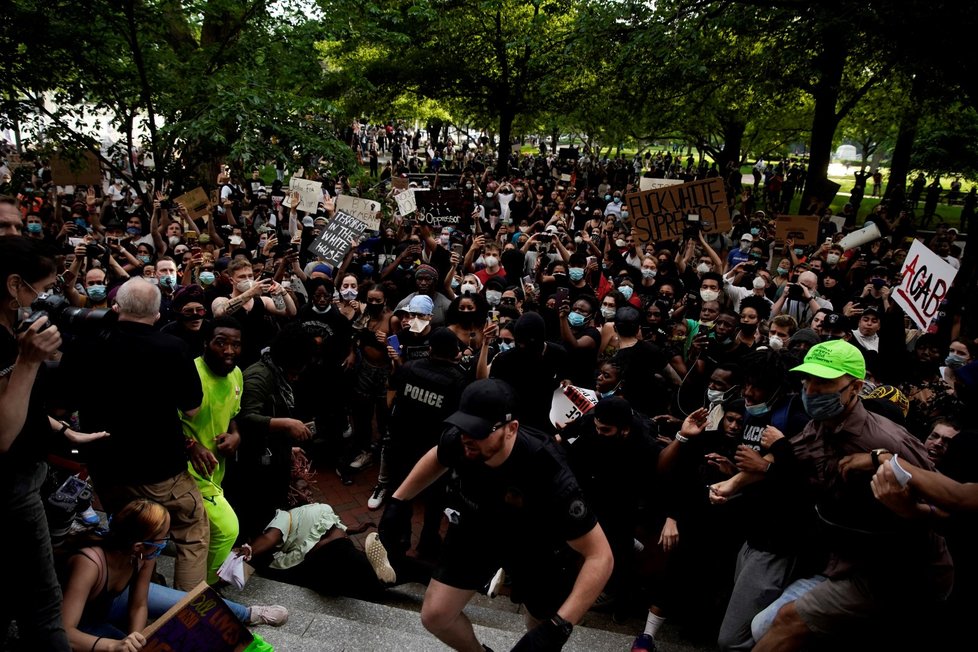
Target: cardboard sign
{"type": "Point", "coordinates": [406, 203]}
{"type": "Point", "coordinates": [571, 403]}
{"type": "Point", "coordinates": [650, 183]}
{"type": "Point", "coordinates": [84, 170]}
{"type": "Point", "coordinates": [803, 228]}
{"type": "Point", "coordinates": [432, 180]}
{"type": "Point", "coordinates": [924, 284]}
{"type": "Point", "coordinates": [442, 207]}
{"type": "Point", "coordinates": [660, 214]}
{"type": "Point", "coordinates": [310, 193]}
{"type": "Point", "coordinates": [200, 622]}
{"type": "Point", "coordinates": [196, 202]}
{"type": "Point", "coordinates": [333, 243]}
{"type": "Point", "coordinates": [400, 183]}
{"type": "Point", "coordinates": [364, 210]}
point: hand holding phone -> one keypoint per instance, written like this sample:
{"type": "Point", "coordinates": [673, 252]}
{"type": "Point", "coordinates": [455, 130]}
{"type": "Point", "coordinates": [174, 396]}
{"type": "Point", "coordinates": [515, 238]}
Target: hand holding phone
{"type": "Point", "coordinates": [395, 344]}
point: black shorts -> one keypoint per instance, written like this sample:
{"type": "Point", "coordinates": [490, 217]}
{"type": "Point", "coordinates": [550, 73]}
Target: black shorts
{"type": "Point", "coordinates": [540, 580]}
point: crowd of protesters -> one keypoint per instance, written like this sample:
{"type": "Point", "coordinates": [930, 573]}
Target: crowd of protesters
{"type": "Point", "coordinates": [760, 403]}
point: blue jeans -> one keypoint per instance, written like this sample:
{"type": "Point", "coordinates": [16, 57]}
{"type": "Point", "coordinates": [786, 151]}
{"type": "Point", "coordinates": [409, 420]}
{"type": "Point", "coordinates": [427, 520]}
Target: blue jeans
{"type": "Point", "coordinates": [160, 599]}
{"type": "Point", "coordinates": [763, 621]}
{"type": "Point", "coordinates": [28, 562]}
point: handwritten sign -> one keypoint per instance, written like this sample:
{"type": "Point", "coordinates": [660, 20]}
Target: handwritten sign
{"type": "Point", "coordinates": [333, 243]}
{"type": "Point", "coordinates": [406, 203]}
{"type": "Point", "coordinates": [200, 622]}
{"type": "Point", "coordinates": [803, 228]}
{"type": "Point", "coordinates": [650, 183]}
{"type": "Point", "coordinates": [924, 284]}
{"type": "Point", "coordinates": [571, 403]}
{"type": "Point", "coordinates": [310, 193]}
{"type": "Point", "coordinates": [442, 207]}
{"type": "Point", "coordinates": [83, 170]}
{"type": "Point", "coordinates": [401, 183]}
{"type": "Point", "coordinates": [196, 202]}
{"type": "Point", "coordinates": [660, 214]}
{"type": "Point", "coordinates": [364, 210]}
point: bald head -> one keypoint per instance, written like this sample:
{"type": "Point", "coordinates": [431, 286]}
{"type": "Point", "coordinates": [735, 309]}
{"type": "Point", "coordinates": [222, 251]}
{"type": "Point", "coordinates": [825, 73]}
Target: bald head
{"type": "Point", "coordinates": [138, 300]}
{"type": "Point", "coordinates": [809, 280]}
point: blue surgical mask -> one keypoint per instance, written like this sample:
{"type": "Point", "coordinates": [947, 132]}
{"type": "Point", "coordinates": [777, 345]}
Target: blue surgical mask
{"type": "Point", "coordinates": [144, 259]}
{"type": "Point", "coordinates": [754, 230]}
{"type": "Point", "coordinates": [648, 272]}
{"type": "Point", "coordinates": [626, 291]}
{"type": "Point", "coordinates": [954, 361]}
{"type": "Point", "coordinates": [758, 410]}
{"type": "Point", "coordinates": [168, 281]}
{"type": "Point", "coordinates": [799, 252]}
{"type": "Point", "coordinates": [576, 273]}
{"type": "Point", "coordinates": [134, 230]}
{"type": "Point", "coordinates": [455, 284]}
{"type": "Point", "coordinates": [158, 547]}
{"type": "Point", "coordinates": [575, 319]}
{"type": "Point", "coordinates": [506, 346]}
{"type": "Point", "coordinates": [97, 293]}
{"type": "Point", "coordinates": [206, 278]}
{"type": "Point", "coordinates": [34, 227]}
{"type": "Point", "coordinates": [822, 407]}
{"type": "Point", "coordinates": [609, 393]}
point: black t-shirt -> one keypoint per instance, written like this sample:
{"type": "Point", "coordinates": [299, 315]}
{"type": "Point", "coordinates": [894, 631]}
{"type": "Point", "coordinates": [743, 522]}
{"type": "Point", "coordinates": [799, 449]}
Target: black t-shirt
{"type": "Point", "coordinates": [337, 332]}
{"type": "Point", "coordinates": [531, 502]}
{"type": "Point", "coordinates": [583, 361]}
{"type": "Point", "coordinates": [414, 346]}
{"type": "Point", "coordinates": [640, 364]}
{"type": "Point", "coordinates": [534, 380]}
{"type": "Point", "coordinates": [31, 444]}
{"type": "Point", "coordinates": [146, 443]}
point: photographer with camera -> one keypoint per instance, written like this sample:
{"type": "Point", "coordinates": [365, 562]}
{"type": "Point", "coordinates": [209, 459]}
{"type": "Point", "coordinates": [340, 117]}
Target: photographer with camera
{"type": "Point", "coordinates": [801, 300]}
{"type": "Point", "coordinates": [24, 427]}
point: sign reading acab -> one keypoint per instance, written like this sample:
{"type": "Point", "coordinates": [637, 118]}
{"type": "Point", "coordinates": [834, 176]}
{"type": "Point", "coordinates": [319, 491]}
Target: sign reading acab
{"type": "Point", "coordinates": [660, 214]}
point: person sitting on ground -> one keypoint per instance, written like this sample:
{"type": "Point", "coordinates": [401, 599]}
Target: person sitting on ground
{"type": "Point", "coordinates": [107, 587]}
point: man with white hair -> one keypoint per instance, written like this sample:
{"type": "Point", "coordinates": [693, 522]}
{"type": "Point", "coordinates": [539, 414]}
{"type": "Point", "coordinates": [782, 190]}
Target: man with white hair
{"type": "Point", "coordinates": [801, 300]}
{"type": "Point", "coordinates": [145, 457]}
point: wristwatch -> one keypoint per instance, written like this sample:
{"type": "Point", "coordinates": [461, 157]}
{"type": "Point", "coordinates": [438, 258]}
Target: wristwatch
{"type": "Point", "coordinates": [563, 626]}
{"type": "Point", "coordinates": [681, 438]}
{"type": "Point", "coordinates": [875, 456]}
{"type": "Point", "coordinates": [64, 427]}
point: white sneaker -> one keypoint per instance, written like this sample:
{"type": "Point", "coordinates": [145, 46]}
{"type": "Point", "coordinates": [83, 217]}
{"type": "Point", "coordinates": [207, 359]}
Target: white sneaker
{"type": "Point", "coordinates": [377, 556]}
{"type": "Point", "coordinates": [274, 614]}
{"type": "Point", "coordinates": [497, 581]}
{"type": "Point", "coordinates": [362, 460]}
{"type": "Point", "coordinates": [377, 497]}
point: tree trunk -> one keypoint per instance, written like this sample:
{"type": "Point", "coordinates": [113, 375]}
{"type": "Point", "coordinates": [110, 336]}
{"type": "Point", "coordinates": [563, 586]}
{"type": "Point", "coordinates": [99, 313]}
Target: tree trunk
{"type": "Point", "coordinates": [733, 137]}
{"type": "Point", "coordinates": [505, 148]}
{"type": "Point", "coordinates": [831, 61]}
{"type": "Point", "coordinates": [896, 184]}
{"type": "Point", "coordinates": [554, 139]}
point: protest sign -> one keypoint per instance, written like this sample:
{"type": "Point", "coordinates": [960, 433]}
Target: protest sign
{"type": "Point", "coordinates": [406, 203]}
{"type": "Point", "coordinates": [924, 283]}
{"type": "Point", "coordinates": [660, 214]}
{"type": "Point", "coordinates": [333, 243]}
{"type": "Point", "coordinates": [200, 622]}
{"type": "Point", "coordinates": [310, 194]}
{"type": "Point", "coordinates": [565, 153]}
{"type": "Point", "coordinates": [432, 180]}
{"type": "Point", "coordinates": [196, 203]}
{"type": "Point", "coordinates": [442, 207]}
{"type": "Point", "coordinates": [571, 403]}
{"type": "Point", "coordinates": [83, 170]}
{"type": "Point", "coordinates": [364, 210]}
{"type": "Point", "coordinates": [803, 228]}
{"type": "Point", "coordinates": [839, 221]}
{"type": "Point", "coordinates": [401, 183]}
{"type": "Point", "coordinates": [650, 183]}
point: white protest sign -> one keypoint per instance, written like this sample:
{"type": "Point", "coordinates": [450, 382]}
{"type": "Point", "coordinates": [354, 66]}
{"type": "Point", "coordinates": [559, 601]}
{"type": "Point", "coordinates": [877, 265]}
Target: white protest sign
{"type": "Point", "coordinates": [570, 403]}
{"type": "Point", "coordinates": [648, 183]}
{"type": "Point", "coordinates": [924, 284]}
{"type": "Point", "coordinates": [310, 193]}
{"type": "Point", "coordinates": [406, 203]}
{"type": "Point", "coordinates": [364, 210]}
{"type": "Point", "coordinates": [839, 221]}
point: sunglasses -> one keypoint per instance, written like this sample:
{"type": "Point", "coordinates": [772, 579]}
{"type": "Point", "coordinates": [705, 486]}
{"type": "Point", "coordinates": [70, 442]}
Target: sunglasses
{"type": "Point", "coordinates": [200, 312]}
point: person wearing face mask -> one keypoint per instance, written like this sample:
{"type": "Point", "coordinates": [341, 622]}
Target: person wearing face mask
{"type": "Point", "coordinates": [578, 334]}
{"type": "Point", "coordinates": [740, 254]}
{"type": "Point", "coordinates": [188, 304]}
{"type": "Point", "coordinates": [415, 328]}
{"type": "Point", "coordinates": [645, 371]}
{"type": "Point", "coordinates": [723, 386]}
{"type": "Point", "coordinates": [493, 267]}
{"type": "Point", "coordinates": [577, 267]}
{"type": "Point", "coordinates": [426, 281]}
{"type": "Point", "coordinates": [960, 352]}
{"type": "Point", "coordinates": [108, 588]}
{"type": "Point", "coordinates": [736, 293]}
{"type": "Point", "coordinates": [494, 292]}
{"type": "Point", "coordinates": [779, 530]}
{"type": "Point", "coordinates": [859, 580]}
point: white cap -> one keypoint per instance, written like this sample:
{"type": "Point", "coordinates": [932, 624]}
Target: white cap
{"type": "Point", "coordinates": [747, 237]}
{"type": "Point", "coordinates": [307, 221]}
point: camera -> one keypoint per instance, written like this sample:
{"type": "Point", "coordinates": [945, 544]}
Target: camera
{"type": "Point", "coordinates": [795, 292]}
{"type": "Point", "coordinates": [65, 316]}
{"type": "Point", "coordinates": [693, 227]}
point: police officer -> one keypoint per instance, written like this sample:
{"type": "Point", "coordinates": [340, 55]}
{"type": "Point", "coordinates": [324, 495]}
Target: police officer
{"type": "Point", "coordinates": [519, 508]}
{"type": "Point", "coordinates": [423, 393]}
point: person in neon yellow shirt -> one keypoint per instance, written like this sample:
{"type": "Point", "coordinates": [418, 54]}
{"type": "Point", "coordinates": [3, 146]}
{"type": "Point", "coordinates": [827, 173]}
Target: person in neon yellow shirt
{"type": "Point", "coordinates": [212, 434]}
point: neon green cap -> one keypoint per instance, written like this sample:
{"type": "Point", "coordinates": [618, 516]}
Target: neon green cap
{"type": "Point", "coordinates": [833, 359]}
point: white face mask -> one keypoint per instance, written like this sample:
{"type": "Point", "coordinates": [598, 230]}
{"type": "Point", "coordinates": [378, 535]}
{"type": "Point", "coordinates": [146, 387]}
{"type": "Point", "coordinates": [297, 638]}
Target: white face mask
{"type": "Point", "coordinates": [620, 243]}
{"type": "Point", "coordinates": [491, 261]}
{"type": "Point", "coordinates": [775, 342]}
{"type": "Point", "coordinates": [174, 240]}
{"type": "Point", "coordinates": [349, 294]}
{"type": "Point", "coordinates": [469, 288]}
{"type": "Point", "coordinates": [607, 313]}
{"type": "Point", "coordinates": [759, 283]}
{"type": "Point", "coordinates": [744, 246]}
{"type": "Point", "coordinates": [709, 295]}
{"type": "Point", "coordinates": [417, 325]}
{"type": "Point", "coordinates": [702, 268]}
{"type": "Point", "coordinates": [493, 297]}
{"type": "Point", "coordinates": [714, 395]}
{"type": "Point", "coordinates": [245, 285]}
{"type": "Point", "coordinates": [832, 259]}
{"type": "Point", "coordinates": [648, 272]}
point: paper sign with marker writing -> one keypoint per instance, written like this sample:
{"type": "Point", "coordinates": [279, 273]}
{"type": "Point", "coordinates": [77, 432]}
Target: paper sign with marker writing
{"type": "Point", "coordinates": [195, 202]}
{"type": "Point", "coordinates": [571, 403]}
{"type": "Point", "coordinates": [650, 183]}
{"type": "Point", "coordinates": [802, 228]}
{"type": "Point", "coordinates": [925, 282]}
{"type": "Point", "coordinates": [200, 622]}
{"type": "Point", "coordinates": [405, 202]}
{"type": "Point", "coordinates": [364, 210]}
{"type": "Point", "coordinates": [310, 193]}
{"type": "Point", "coordinates": [660, 214]}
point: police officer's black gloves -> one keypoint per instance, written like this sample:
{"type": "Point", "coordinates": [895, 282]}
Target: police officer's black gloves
{"type": "Point", "coordinates": [395, 527]}
{"type": "Point", "coordinates": [548, 636]}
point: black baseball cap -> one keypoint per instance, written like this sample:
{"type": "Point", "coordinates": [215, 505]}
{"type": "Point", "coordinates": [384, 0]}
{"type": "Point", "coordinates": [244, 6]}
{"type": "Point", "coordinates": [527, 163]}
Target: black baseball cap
{"type": "Point", "coordinates": [485, 405]}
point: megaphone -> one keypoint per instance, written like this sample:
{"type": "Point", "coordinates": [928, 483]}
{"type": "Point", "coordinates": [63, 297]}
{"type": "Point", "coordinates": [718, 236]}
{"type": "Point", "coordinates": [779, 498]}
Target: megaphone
{"type": "Point", "coordinates": [858, 238]}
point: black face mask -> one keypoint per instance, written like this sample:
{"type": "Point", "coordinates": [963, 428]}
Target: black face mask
{"type": "Point", "coordinates": [375, 309]}
{"type": "Point", "coordinates": [749, 329]}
